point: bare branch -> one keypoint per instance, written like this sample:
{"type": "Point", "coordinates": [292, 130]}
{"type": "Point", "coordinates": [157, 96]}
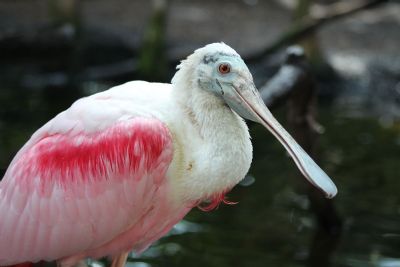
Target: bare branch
{"type": "Point", "coordinates": [320, 15]}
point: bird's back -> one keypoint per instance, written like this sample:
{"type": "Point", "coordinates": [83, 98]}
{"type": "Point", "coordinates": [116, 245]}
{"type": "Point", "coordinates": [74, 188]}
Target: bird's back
{"type": "Point", "coordinates": [92, 181]}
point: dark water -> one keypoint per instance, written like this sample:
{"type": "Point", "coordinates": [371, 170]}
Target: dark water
{"type": "Point", "coordinates": [273, 224]}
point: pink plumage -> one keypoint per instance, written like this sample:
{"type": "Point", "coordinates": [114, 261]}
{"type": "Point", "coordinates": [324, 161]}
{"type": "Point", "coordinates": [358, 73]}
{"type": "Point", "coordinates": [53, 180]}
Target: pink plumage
{"type": "Point", "coordinates": [74, 195]}
{"type": "Point", "coordinates": [115, 171]}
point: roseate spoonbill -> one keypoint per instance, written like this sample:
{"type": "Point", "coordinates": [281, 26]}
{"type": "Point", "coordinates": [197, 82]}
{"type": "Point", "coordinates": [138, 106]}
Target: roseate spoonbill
{"type": "Point", "coordinates": [115, 171]}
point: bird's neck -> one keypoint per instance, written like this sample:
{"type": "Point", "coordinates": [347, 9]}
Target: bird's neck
{"type": "Point", "coordinates": [204, 109]}
{"type": "Point", "coordinates": [219, 152]}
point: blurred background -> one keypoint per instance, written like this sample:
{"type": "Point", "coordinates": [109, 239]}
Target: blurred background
{"type": "Point", "coordinates": [342, 103]}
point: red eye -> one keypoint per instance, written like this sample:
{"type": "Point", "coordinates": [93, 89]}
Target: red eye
{"type": "Point", "coordinates": [224, 68]}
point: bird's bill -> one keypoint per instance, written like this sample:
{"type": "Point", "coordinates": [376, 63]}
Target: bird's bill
{"type": "Point", "coordinates": [251, 106]}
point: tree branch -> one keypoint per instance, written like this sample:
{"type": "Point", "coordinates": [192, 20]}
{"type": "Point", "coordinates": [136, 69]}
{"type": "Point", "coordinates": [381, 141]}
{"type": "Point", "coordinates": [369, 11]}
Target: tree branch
{"type": "Point", "coordinates": [320, 15]}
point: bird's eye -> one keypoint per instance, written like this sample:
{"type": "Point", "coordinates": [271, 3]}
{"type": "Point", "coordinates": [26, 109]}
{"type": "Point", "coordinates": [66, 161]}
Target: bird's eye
{"type": "Point", "coordinates": [224, 68]}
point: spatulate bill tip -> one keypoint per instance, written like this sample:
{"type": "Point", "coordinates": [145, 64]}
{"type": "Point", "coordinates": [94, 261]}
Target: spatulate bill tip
{"type": "Point", "coordinates": [330, 195]}
{"type": "Point", "coordinates": [329, 191]}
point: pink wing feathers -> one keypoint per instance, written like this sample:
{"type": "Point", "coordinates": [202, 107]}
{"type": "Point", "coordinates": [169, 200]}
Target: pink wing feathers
{"type": "Point", "coordinates": [72, 193]}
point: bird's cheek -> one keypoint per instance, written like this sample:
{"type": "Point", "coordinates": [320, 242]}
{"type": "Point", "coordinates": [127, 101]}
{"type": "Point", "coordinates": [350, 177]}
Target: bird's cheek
{"type": "Point", "coordinates": [207, 85]}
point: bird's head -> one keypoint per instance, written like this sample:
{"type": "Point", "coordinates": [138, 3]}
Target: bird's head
{"type": "Point", "coordinates": [219, 70]}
